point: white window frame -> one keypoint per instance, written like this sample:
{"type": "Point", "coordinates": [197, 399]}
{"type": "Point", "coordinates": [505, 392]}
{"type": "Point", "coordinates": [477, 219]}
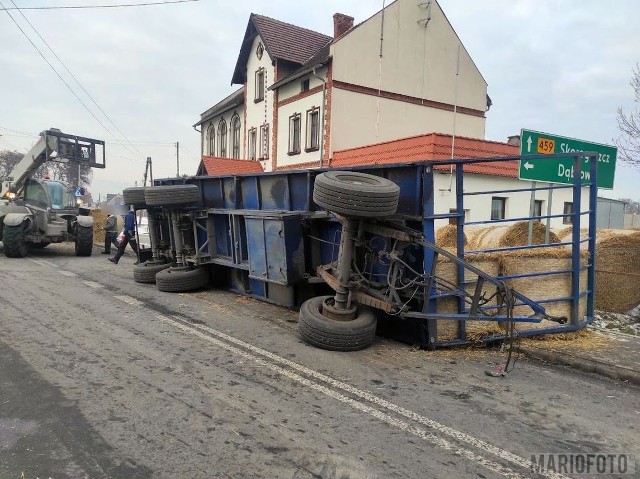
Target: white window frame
{"type": "Point", "coordinates": [259, 86]}
{"type": "Point", "coordinates": [211, 140]}
{"type": "Point", "coordinates": [295, 131]}
{"type": "Point", "coordinates": [312, 142]}
{"type": "Point", "coordinates": [252, 143]}
{"type": "Point", "coordinates": [222, 139]}
{"type": "Point", "coordinates": [264, 142]}
{"type": "Point", "coordinates": [235, 136]}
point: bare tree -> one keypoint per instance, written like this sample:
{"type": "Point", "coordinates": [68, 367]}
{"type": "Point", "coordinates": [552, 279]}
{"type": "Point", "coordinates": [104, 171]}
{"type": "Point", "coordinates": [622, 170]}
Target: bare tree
{"type": "Point", "coordinates": [629, 142]}
{"type": "Point", "coordinates": [67, 172]}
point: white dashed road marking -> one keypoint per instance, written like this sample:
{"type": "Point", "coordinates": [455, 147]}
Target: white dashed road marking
{"type": "Point", "coordinates": [129, 300]}
{"type": "Point", "coordinates": [364, 401]}
{"type": "Point", "coordinates": [361, 405]}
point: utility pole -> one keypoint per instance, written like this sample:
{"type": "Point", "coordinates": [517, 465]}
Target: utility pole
{"type": "Point", "coordinates": [148, 172]}
{"type": "Point", "coordinates": [177, 158]}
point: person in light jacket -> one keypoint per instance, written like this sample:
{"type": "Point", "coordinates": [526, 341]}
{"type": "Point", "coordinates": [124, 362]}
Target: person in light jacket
{"type": "Point", "coordinates": [110, 234]}
{"type": "Point", "coordinates": [129, 237]}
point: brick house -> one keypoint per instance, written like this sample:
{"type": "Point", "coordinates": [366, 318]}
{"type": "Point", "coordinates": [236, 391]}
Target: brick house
{"type": "Point", "coordinates": [304, 95]}
{"type": "Point", "coordinates": [398, 87]}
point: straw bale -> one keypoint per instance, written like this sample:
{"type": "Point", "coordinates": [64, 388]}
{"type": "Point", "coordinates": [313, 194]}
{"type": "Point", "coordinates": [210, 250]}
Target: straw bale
{"type": "Point", "coordinates": [447, 236]}
{"type": "Point", "coordinates": [617, 270]}
{"type": "Point", "coordinates": [544, 287]}
{"type": "Point", "coordinates": [504, 236]}
{"type": "Point", "coordinates": [99, 217]}
{"type": "Point", "coordinates": [447, 270]}
{"type": "Point", "coordinates": [563, 233]}
{"type": "Point", "coordinates": [518, 234]}
{"type": "Point", "coordinates": [618, 239]}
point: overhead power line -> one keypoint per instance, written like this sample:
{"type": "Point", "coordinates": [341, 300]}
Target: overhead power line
{"type": "Point", "coordinates": [73, 76]}
{"type": "Point", "coordinates": [119, 5]}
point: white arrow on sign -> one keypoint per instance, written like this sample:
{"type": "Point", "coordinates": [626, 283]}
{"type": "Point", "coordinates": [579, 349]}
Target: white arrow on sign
{"type": "Point", "coordinates": [528, 166]}
{"type": "Point", "coordinates": [529, 141]}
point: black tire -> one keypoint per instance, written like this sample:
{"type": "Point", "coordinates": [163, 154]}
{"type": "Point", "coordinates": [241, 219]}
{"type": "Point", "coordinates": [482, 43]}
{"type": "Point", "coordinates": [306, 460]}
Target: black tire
{"type": "Point", "coordinates": [326, 333]}
{"type": "Point", "coordinates": [146, 272]}
{"type": "Point", "coordinates": [172, 195]}
{"type": "Point", "coordinates": [181, 279]}
{"type": "Point", "coordinates": [84, 241]}
{"type": "Point", "coordinates": [134, 196]}
{"type": "Point", "coordinates": [356, 194]}
{"type": "Point", "coordinates": [13, 241]}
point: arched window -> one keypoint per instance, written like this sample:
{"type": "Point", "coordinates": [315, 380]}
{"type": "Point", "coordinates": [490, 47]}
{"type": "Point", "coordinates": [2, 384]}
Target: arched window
{"type": "Point", "coordinates": [222, 139]}
{"type": "Point", "coordinates": [235, 136]}
{"type": "Point", "coordinates": [211, 140]}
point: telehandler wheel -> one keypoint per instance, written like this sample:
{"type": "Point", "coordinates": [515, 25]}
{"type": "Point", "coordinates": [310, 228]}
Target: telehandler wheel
{"type": "Point", "coordinates": [13, 241]}
{"type": "Point", "coordinates": [335, 335]}
{"type": "Point", "coordinates": [84, 241]}
{"type": "Point", "coordinates": [356, 194]}
{"type": "Point", "coordinates": [172, 195]}
{"type": "Point", "coordinates": [146, 272]}
{"type": "Point", "coordinates": [179, 279]}
{"type": "Point", "coordinates": [134, 196]}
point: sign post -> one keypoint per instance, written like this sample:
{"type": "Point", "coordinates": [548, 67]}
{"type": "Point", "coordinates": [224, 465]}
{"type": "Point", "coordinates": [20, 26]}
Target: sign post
{"type": "Point", "coordinates": [560, 170]}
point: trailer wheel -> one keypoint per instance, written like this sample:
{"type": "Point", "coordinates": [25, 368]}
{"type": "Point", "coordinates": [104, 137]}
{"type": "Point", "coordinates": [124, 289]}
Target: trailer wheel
{"type": "Point", "coordinates": [84, 241]}
{"type": "Point", "coordinates": [333, 335]}
{"type": "Point", "coordinates": [13, 241]}
{"type": "Point", "coordinates": [146, 272]}
{"type": "Point", "coordinates": [172, 195]}
{"type": "Point", "coordinates": [356, 194]}
{"type": "Point", "coordinates": [134, 196]}
{"type": "Point", "coordinates": [179, 279]}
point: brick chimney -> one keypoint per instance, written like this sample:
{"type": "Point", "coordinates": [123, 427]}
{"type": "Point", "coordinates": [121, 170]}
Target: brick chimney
{"type": "Point", "coordinates": [341, 24]}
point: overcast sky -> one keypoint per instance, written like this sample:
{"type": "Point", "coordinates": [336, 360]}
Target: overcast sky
{"type": "Point", "coordinates": [559, 66]}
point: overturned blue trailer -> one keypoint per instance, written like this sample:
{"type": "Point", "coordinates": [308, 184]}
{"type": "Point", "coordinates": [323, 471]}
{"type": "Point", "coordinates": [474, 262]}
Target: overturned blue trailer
{"type": "Point", "coordinates": [353, 255]}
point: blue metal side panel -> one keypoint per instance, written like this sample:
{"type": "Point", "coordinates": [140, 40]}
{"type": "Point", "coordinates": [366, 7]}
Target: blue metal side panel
{"type": "Point", "coordinates": [211, 189]}
{"type": "Point", "coordinates": [301, 186]}
{"type": "Point", "coordinates": [274, 192]}
{"type": "Point", "coordinates": [222, 227]}
{"type": "Point", "coordinates": [256, 248]}
{"type": "Point", "coordinates": [258, 288]}
{"type": "Point", "coordinates": [408, 179]}
{"type": "Point", "coordinates": [229, 187]}
{"type": "Point", "coordinates": [250, 192]}
{"type": "Point", "coordinates": [294, 247]}
{"type": "Point", "coordinates": [275, 251]}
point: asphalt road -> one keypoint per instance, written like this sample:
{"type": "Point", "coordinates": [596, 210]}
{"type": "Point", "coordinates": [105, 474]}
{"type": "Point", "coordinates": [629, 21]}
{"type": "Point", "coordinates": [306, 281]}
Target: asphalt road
{"type": "Point", "coordinates": [103, 377]}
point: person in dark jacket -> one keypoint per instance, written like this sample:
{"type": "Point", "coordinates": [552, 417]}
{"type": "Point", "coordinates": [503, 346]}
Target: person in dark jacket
{"type": "Point", "coordinates": [129, 236]}
{"type": "Point", "coordinates": [110, 234]}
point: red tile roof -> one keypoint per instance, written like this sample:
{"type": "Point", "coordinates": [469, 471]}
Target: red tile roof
{"type": "Point", "coordinates": [433, 146]}
{"type": "Point", "coordinates": [228, 166]}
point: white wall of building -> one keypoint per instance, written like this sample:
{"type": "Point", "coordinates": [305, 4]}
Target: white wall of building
{"type": "Point", "coordinates": [300, 106]}
{"type": "Point", "coordinates": [517, 205]}
{"type": "Point", "coordinates": [261, 112]}
{"type": "Point", "coordinates": [423, 60]}
{"type": "Point", "coordinates": [358, 120]}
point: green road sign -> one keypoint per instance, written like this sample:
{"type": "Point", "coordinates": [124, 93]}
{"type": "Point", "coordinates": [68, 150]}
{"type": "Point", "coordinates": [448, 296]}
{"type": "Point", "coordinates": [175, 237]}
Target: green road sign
{"type": "Point", "coordinates": [560, 170]}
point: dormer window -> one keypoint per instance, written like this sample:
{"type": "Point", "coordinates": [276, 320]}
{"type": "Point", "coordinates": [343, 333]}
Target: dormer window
{"type": "Point", "coordinates": [259, 85]}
